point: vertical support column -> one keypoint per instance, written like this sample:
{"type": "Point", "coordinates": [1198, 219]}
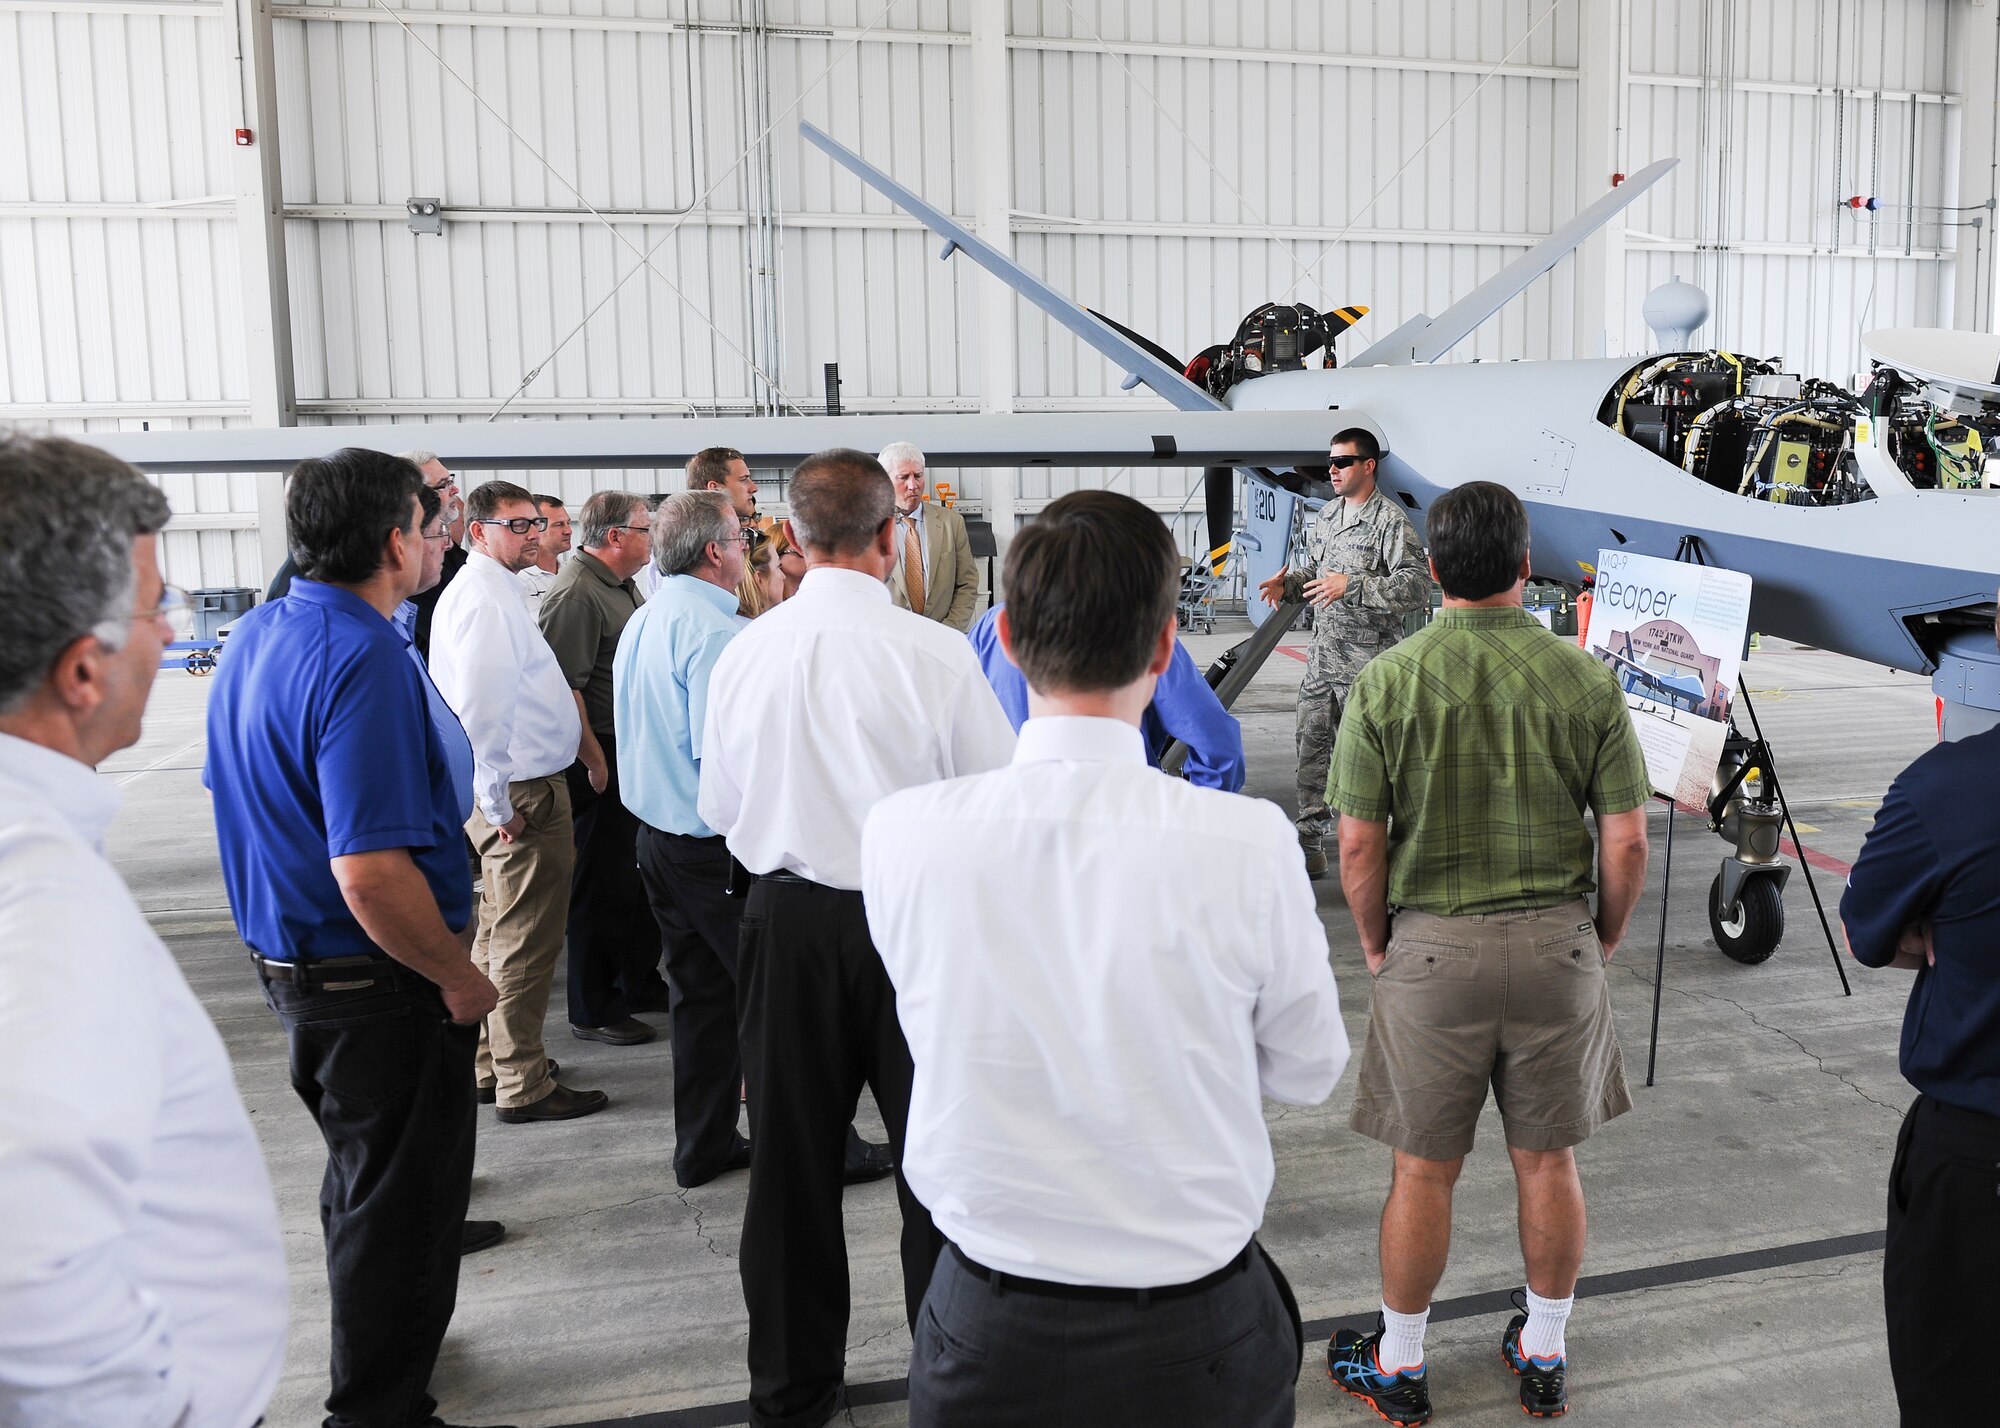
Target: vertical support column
{"type": "Point", "coordinates": [1600, 133]}
{"type": "Point", "coordinates": [260, 241]}
{"type": "Point", "coordinates": [1976, 28]}
{"type": "Point", "coordinates": [993, 189]}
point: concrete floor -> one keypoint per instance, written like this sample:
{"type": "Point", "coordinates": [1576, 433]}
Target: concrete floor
{"type": "Point", "coordinates": [615, 1296]}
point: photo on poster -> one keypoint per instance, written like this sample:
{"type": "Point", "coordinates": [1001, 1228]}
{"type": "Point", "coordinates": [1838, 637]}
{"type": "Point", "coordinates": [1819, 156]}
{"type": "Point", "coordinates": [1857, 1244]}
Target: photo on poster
{"type": "Point", "coordinates": [1672, 633]}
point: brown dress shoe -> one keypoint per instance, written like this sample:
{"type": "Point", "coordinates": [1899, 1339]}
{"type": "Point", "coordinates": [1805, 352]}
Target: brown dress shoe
{"type": "Point", "coordinates": [627, 1031]}
{"type": "Point", "coordinates": [561, 1104]}
{"type": "Point", "coordinates": [487, 1094]}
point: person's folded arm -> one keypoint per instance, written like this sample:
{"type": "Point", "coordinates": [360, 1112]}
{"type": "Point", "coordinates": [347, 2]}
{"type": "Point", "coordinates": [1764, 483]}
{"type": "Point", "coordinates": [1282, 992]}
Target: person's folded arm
{"type": "Point", "coordinates": [1893, 887]}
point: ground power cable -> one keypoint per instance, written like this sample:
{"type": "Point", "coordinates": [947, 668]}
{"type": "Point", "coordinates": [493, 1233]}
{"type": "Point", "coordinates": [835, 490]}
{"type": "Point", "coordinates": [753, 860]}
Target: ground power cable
{"type": "Point", "coordinates": [646, 255]}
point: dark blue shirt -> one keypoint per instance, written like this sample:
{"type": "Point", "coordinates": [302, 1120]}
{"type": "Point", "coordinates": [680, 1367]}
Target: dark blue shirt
{"type": "Point", "coordinates": [1934, 856]}
{"type": "Point", "coordinates": [1183, 708]}
{"type": "Point", "coordinates": [321, 744]}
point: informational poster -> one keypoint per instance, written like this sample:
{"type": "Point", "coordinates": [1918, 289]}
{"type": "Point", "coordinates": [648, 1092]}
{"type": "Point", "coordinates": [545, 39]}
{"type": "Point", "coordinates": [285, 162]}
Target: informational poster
{"type": "Point", "coordinates": [1673, 634]}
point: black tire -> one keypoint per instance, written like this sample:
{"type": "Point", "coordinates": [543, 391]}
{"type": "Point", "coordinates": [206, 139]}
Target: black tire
{"type": "Point", "coordinates": [1749, 932]}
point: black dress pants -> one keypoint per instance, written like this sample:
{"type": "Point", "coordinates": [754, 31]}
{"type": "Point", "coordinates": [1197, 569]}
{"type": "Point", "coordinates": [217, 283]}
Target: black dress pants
{"type": "Point", "coordinates": [698, 907]}
{"type": "Point", "coordinates": [387, 1077]}
{"type": "Point", "coordinates": [613, 952]}
{"type": "Point", "coordinates": [817, 1020]}
{"type": "Point", "coordinates": [999, 1356]}
{"type": "Point", "coordinates": [1942, 1263]}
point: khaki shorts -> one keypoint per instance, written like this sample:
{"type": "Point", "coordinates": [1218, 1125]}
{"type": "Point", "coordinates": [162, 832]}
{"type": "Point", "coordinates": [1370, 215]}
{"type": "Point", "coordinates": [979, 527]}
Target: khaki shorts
{"type": "Point", "coordinates": [1517, 1000]}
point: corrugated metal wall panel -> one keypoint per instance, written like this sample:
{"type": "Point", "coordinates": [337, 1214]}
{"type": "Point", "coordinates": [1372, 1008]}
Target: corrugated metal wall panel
{"type": "Point", "coordinates": [1303, 110]}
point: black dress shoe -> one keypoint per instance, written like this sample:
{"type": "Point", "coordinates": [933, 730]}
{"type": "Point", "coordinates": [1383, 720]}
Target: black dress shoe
{"type": "Point", "coordinates": [737, 1159]}
{"type": "Point", "coordinates": [487, 1093]}
{"type": "Point", "coordinates": [561, 1104]}
{"type": "Point", "coordinates": [480, 1234]}
{"type": "Point", "coordinates": [626, 1031]}
{"type": "Point", "coordinates": [435, 1422]}
{"type": "Point", "coordinates": [872, 1162]}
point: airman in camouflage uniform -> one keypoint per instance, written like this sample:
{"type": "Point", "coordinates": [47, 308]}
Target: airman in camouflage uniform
{"type": "Point", "coordinates": [1363, 571]}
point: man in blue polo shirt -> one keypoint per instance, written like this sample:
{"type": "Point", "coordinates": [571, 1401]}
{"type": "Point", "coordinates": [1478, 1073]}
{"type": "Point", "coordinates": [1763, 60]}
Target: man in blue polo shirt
{"type": "Point", "coordinates": [659, 683]}
{"type": "Point", "coordinates": [1925, 895]}
{"type": "Point", "coordinates": [338, 819]}
{"type": "Point", "coordinates": [1184, 708]}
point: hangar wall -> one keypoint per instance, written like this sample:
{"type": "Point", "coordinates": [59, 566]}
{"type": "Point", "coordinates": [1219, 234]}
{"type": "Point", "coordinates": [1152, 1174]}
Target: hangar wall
{"type": "Point", "coordinates": [1171, 163]}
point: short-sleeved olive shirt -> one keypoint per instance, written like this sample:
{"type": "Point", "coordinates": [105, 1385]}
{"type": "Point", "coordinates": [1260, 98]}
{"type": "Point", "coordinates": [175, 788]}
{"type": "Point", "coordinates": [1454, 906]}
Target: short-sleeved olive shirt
{"type": "Point", "coordinates": [1482, 739]}
{"type": "Point", "coordinates": [582, 616]}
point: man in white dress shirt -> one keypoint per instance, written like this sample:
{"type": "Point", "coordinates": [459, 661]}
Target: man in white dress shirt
{"type": "Point", "coordinates": [815, 712]}
{"type": "Point", "coordinates": [142, 1278]}
{"type": "Point", "coordinates": [1099, 969]}
{"type": "Point", "coordinates": [537, 578]}
{"type": "Point", "coordinates": [497, 672]}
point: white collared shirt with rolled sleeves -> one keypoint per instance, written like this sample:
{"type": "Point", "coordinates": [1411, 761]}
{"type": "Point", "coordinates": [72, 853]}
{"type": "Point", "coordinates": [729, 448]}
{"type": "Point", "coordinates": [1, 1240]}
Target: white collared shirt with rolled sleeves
{"type": "Point", "coordinates": [1100, 971]}
{"type": "Point", "coordinates": [494, 669]}
{"type": "Point", "coordinates": [824, 706]}
{"type": "Point", "coordinates": [142, 1275]}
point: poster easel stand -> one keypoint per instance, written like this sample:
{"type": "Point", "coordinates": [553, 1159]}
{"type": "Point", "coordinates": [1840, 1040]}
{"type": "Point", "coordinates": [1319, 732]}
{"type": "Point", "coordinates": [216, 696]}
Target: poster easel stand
{"type": "Point", "coordinates": [1758, 755]}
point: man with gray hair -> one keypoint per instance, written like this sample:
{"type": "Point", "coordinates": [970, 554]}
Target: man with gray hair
{"type": "Point", "coordinates": [934, 573]}
{"type": "Point", "coordinates": [613, 957]}
{"type": "Point", "coordinates": [820, 708]}
{"type": "Point", "coordinates": [142, 1277]}
{"type": "Point", "coordinates": [440, 480]}
{"type": "Point", "coordinates": [660, 700]}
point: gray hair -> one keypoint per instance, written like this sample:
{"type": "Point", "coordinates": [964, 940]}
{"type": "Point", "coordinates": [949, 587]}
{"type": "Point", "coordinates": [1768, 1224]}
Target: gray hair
{"type": "Point", "coordinates": [601, 513]}
{"type": "Point", "coordinates": [66, 552]}
{"type": "Point", "coordinates": [901, 451]}
{"type": "Point", "coordinates": [418, 458]}
{"type": "Point", "coordinates": [684, 524]}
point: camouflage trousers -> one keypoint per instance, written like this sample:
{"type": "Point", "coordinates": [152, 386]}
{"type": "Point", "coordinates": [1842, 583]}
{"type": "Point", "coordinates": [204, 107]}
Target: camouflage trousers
{"type": "Point", "coordinates": [1333, 659]}
{"type": "Point", "coordinates": [1319, 722]}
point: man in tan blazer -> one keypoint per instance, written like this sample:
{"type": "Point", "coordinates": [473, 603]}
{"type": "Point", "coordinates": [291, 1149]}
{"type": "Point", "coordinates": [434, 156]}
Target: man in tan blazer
{"type": "Point", "coordinates": [931, 545]}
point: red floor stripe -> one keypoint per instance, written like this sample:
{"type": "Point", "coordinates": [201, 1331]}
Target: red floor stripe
{"type": "Point", "coordinates": [1822, 861]}
{"type": "Point", "coordinates": [1294, 651]}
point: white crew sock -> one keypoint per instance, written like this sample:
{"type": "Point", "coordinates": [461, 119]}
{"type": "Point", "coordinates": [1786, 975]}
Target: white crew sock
{"type": "Point", "coordinates": [1542, 1335]}
{"type": "Point", "coordinates": [1402, 1345]}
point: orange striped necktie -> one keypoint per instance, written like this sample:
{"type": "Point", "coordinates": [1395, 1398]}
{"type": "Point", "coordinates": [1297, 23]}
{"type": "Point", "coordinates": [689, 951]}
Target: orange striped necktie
{"type": "Point", "coordinates": [913, 563]}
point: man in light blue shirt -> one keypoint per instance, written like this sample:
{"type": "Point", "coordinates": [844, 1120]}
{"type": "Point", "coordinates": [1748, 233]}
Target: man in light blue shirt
{"type": "Point", "coordinates": [659, 699]}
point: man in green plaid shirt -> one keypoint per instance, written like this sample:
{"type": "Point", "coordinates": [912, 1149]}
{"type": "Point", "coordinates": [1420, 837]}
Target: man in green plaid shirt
{"type": "Point", "coordinates": [1468, 757]}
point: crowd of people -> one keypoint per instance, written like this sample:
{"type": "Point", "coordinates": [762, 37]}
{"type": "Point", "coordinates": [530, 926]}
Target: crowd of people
{"type": "Point", "coordinates": [769, 778]}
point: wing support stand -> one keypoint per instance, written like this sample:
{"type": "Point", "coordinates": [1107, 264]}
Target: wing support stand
{"type": "Point", "coordinates": [1732, 889]}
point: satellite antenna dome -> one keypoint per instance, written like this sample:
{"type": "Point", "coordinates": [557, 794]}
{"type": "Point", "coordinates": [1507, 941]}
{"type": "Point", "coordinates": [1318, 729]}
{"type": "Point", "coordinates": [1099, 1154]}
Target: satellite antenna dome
{"type": "Point", "coordinates": [1674, 310]}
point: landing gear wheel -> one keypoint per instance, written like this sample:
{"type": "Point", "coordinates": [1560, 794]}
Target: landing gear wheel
{"type": "Point", "coordinates": [199, 662]}
{"type": "Point", "coordinates": [1750, 931]}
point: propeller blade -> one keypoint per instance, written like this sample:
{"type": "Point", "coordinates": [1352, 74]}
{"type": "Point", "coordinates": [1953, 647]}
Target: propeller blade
{"type": "Point", "coordinates": [1342, 318]}
{"type": "Point", "coordinates": [1152, 347]}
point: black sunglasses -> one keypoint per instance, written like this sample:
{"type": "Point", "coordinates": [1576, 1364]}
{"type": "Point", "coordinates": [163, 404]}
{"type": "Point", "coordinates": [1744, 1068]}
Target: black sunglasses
{"type": "Point", "coordinates": [1341, 463]}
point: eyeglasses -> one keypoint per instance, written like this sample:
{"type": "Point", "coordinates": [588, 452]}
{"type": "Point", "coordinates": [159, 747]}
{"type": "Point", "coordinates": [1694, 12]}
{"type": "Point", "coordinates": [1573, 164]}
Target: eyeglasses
{"type": "Point", "coordinates": [751, 537]}
{"type": "Point", "coordinates": [175, 607]}
{"type": "Point", "coordinates": [521, 525]}
{"type": "Point", "coordinates": [1341, 463]}
{"type": "Point", "coordinates": [439, 535]}
{"type": "Point", "coordinates": [636, 530]}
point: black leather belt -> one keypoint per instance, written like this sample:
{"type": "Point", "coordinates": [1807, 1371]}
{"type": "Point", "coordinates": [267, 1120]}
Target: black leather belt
{"type": "Point", "coordinates": [1049, 1289]}
{"type": "Point", "coordinates": [784, 875]}
{"type": "Point", "coordinates": [327, 974]}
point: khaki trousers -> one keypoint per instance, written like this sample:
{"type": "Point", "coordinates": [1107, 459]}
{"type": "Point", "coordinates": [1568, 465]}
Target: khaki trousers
{"type": "Point", "coordinates": [523, 906]}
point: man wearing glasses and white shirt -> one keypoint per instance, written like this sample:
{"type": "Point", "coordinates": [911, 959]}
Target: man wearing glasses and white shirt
{"type": "Point", "coordinates": [497, 672]}
{"type": "Point", "coordinates": [142, 1277]}
{"type": "Point", "coordinates": [1101, 971]}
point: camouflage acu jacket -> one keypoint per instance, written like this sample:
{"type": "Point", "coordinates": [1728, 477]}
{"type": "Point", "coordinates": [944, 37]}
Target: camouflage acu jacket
{"type": "Point", "coordinates": [1377, 549]}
